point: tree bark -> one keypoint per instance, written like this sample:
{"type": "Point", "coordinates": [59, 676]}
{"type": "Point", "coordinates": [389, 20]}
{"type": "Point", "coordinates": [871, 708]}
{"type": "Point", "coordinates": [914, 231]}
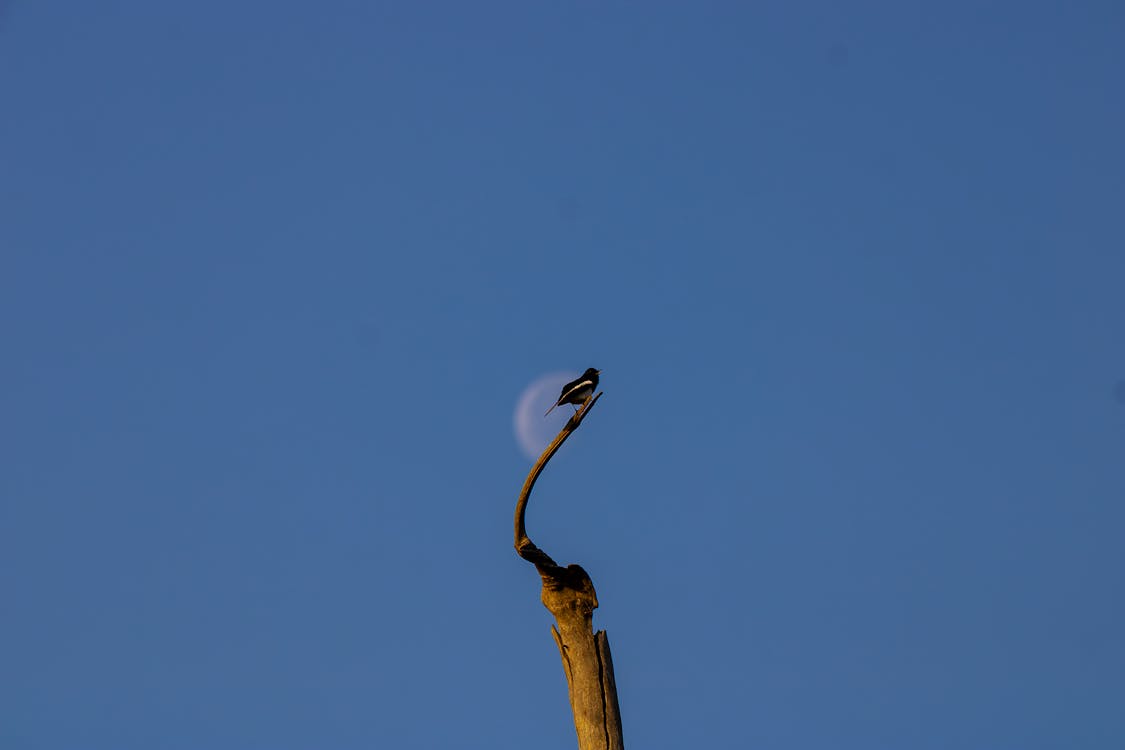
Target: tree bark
{"type": "Point", "coordinates": [568, 594]}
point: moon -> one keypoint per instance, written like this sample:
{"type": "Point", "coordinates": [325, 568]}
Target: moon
{"type": "Point", "coordinates": [534, 431]}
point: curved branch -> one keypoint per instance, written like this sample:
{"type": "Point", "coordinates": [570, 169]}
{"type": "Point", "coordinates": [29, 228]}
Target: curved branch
{"type": "Point", "coordinates": [569, 595]}
{"type": "Point", "coordinates": [524, 547]}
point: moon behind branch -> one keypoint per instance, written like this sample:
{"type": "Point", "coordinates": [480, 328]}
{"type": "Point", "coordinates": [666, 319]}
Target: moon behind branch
{"type": "Point", "coordinates": [534, 431]}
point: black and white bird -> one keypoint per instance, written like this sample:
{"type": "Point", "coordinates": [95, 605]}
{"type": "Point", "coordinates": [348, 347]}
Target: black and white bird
{"type": "Point", "coordinates": [577, 391]}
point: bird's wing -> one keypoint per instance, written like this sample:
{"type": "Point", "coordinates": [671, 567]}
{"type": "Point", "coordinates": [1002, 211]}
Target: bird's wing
{"type": "Point", "coordinates": [575, 387]}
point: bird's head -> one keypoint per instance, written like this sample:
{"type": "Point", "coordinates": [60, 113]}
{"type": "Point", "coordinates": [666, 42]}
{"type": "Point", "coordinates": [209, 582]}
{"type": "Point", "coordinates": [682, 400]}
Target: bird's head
{"type": "Point", "coordinates": [590, 372]}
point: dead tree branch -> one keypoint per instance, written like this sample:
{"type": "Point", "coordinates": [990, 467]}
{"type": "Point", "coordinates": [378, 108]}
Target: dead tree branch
{"type": "Point", "coordinates": [568, 593]}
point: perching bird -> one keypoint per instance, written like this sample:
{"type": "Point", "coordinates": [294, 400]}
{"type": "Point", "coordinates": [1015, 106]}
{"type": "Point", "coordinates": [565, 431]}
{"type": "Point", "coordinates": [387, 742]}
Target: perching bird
{"type": "Point", "coordinates": [577, 391]}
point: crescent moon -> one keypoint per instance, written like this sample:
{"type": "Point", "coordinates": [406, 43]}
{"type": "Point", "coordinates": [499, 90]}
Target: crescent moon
{"type": "Point", "coordinates": [534, 431]}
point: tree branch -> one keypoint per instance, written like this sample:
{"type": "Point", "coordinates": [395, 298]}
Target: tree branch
{"type": "Point", "coordinates": [524, 547]}
{"type": "Point", "coordinates": [568, 593]}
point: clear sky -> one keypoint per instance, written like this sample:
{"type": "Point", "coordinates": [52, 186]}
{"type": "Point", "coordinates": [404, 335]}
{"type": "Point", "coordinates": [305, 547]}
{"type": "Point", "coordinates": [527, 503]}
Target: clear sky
{"type": "Point", "coordinates": [273, 277]}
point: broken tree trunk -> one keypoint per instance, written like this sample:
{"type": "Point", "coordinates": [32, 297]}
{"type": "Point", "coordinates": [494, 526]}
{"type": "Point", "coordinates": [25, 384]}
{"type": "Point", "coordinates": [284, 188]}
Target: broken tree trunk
{"type": "Point", "coordinates": [568, 593]}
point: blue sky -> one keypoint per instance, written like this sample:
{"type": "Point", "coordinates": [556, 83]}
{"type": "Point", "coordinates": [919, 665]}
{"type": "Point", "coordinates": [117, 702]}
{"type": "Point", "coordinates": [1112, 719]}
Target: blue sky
{"type": "Point", "coordinates": [273, 276]}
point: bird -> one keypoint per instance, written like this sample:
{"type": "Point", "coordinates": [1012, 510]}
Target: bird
{"type": "Point", "coordinates": [577, 391]}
